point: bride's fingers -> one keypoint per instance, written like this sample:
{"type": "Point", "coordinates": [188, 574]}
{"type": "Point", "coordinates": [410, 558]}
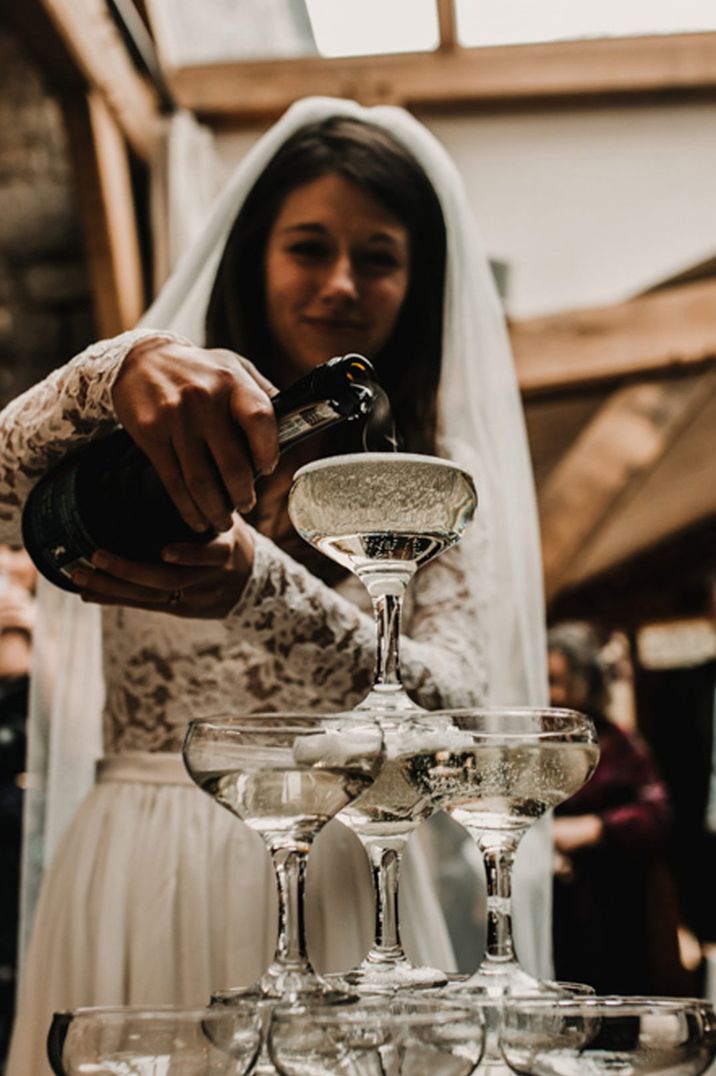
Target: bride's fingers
{"type": "Point", "coordinates": [214, 554]}
{"type": "Point", "coordinates": [108, 590]}
{"type": "Point", "coordinates": [159, 603]}
{"type": "Point", "coordinates": [163, 577]}
{"type": "Point", "coordinates": [167, 465]}
{"type": "Point", "coordinates": [201, 476]}
{"type": "Point", "coordinates": [209, 599]}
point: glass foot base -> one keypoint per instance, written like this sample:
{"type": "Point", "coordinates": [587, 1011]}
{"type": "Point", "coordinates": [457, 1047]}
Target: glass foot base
{"type": "Point", "coordinates": [554, 986]}
{"type": "Point", "coordinates": [388, 698]}
{"type": "Point", "coordinates": [282, 984]}
{"type": "Point", "coordinates": [324, 994]}
{"type": "Point", "coordinates": [486, 988]}
{"type": "Point", "coordinates": [387, 976]}
{"type": "Point", "coordinates": [497, 980]}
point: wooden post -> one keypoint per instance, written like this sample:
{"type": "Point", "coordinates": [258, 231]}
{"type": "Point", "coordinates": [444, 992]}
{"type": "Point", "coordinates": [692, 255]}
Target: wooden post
{"type": "Point", "coordinates": [107, 212]}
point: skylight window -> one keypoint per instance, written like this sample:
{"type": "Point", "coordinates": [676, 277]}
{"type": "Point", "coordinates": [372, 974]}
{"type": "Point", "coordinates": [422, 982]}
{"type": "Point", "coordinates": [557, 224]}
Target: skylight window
{"type": "Point", "coordinates": [213, 31]}
{"type": "Point", "coordinates": [370, 27]}
{"type": "Point", "coordinates": [516, 22]}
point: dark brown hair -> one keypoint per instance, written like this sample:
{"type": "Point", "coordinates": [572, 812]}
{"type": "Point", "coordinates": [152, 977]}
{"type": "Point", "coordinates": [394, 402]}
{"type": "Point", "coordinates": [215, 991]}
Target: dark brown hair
{"type": "Point", "coordinates": [409, 364]}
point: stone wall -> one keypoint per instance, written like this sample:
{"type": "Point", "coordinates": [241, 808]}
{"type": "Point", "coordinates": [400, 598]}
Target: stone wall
{"type": "Point", "coordinates": [45, 306]}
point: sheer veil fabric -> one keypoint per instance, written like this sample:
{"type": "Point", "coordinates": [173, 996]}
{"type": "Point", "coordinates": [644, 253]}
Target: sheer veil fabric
{"type": "Point", "coordinates": [480, 410]}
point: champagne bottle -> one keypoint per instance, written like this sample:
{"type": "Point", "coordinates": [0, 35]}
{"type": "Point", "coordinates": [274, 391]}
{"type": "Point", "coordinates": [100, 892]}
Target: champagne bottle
{"type": "Point", "coordinates": [108, 495]}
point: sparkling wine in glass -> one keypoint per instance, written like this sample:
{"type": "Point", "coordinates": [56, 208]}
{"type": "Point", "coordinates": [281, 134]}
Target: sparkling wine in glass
{"type": "Point", "coordinates": [285, 776]}
{"type": "Point", "coordinates": [382, 516]}
{"type": "Point", "coordinates": [496, 772]}
{"type": "Point", "coordinates": [132, 1041]}
{"type": "Point", "coordinates": [383, 818]}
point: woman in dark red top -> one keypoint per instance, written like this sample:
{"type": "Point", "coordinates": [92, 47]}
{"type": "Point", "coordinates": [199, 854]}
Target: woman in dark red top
{"type": "Point", "coordinates": [609, 837]}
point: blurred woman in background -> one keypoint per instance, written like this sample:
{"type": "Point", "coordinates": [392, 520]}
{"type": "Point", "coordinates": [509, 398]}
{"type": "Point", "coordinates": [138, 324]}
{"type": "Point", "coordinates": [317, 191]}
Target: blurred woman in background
{"type": "Point", "coordinates": [608, 837]}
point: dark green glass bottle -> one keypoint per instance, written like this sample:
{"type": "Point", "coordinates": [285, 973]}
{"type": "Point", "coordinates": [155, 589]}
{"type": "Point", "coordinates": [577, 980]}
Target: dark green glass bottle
{"type": "Point", "coordinates": [108, 495]}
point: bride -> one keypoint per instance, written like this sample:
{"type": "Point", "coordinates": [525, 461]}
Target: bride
{"type": "Point", "coordinates": [343, 229]}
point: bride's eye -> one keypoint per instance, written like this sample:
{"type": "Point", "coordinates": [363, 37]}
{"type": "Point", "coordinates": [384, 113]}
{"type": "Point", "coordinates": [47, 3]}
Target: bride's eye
{"type": "Point", "coordinates": [309, 249]}
{"type": "Point", "coordinates": [379, 260]}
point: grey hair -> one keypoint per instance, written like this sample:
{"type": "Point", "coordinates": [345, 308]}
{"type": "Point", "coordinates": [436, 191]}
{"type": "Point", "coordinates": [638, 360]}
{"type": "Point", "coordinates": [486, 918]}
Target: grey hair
{"type": "Point", "coordinates": [581, 647]}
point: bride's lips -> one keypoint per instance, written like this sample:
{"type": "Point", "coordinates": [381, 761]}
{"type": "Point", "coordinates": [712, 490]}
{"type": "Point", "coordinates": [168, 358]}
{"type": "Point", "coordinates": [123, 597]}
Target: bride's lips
{"type": "Point", "coordinates": [334, 324]}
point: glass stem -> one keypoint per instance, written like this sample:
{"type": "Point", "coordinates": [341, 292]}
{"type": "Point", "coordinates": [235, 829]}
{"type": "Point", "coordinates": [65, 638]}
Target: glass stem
{"type": "Point", "coordinates": [387, 692]}
{"type": "Point", "coordinates": [290, 867]}
{"type": "Point", "coordinates": [498, 851]}
{"type": "Point", "coordinates": [385, 865]}
{"type": "Point", "coordinates": [387, 609]}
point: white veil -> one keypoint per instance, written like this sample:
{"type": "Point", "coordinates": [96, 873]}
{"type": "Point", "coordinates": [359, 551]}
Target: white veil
{"type": "Point", "coordinates": [480, 406]}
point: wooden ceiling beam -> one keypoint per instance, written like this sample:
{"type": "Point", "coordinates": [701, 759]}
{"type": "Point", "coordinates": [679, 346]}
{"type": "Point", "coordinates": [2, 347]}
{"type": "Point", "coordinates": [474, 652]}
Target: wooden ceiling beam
{"type": "Point", "coordinates": [660, 583]}
{"type": "Point", "coordinates": [246, 90]}
{"type": "Point", "coordinates": [80, 49]}
{"type": "Point", "coordinates": [609, 459]}
{"type": "Point", "coordinates": [667, 331]}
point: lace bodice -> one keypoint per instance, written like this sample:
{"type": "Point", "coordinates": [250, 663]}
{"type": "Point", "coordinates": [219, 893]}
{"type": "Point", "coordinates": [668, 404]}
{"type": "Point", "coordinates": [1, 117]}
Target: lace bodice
{"type": "Point", "coordinates": [290, 642]}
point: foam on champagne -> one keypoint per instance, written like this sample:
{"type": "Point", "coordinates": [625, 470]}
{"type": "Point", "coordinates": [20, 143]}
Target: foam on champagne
{"type": "Point", "coordinates": [391, 510]}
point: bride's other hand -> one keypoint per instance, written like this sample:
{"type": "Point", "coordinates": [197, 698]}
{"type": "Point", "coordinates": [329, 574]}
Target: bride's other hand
{"type": "Point", "coordinates": [205, 420]}
{"type": "Point", "coordinates": [201, 581]}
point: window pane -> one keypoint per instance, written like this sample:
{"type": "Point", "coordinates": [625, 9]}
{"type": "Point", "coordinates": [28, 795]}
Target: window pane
{"type": "Point", "coordinates": [212, 31]}
{"type": "Point", "coordinates": [368, 27]}
{"type": "Point", "coordinates": [513, 22]}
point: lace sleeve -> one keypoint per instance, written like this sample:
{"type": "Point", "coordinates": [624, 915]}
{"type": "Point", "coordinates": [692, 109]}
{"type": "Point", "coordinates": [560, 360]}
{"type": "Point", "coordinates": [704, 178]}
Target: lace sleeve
{"type": "Point", "coordinates": [444, 661]}
{"type": "Point", "coordinates": [71, 406]}
{"type": "Point", "coordinates": [316, 635]}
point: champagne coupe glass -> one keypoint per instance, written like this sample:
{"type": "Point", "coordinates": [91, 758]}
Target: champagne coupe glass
{"type": "Point", "coordinates": [382, 515]}
{"type": "Point", "coordinates": [402, 1036]}
{"type": "Point", "coordinates": [490, 1008]}
{"type": "Point", "coordinates": [591, 1036]}
{"type": "Point", "coordinates": [285, 776]}
{"type": "Point", "coordinates": [496, 771]}
{"type": "Point", "coordinates": [134, 1041]}
{"type": "Point", "coordinates": [384, 818]}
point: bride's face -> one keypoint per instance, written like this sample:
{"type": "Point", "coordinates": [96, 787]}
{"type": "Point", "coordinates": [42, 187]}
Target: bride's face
{"type": "Point", "coordinates": [337, 273]}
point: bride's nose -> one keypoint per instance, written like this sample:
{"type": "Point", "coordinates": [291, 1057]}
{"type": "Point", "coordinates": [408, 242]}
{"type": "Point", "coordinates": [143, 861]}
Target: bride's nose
{"type": "Point", "coordinates": [340, 280]}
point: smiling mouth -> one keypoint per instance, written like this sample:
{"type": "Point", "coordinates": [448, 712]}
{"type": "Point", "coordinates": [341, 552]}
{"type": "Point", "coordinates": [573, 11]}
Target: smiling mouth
{"type": "Point", "coordinates": [334, 324]}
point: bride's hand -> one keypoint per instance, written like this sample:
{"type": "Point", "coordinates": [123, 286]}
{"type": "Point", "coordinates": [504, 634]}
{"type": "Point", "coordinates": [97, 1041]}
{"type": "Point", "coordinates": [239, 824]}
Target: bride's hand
{"type": "Point", "coordinates": [200, 581]}
{"type": "Point", "coordinates": [205, 420]}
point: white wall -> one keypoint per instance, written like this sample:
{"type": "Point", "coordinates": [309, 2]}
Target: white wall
{"type": "Point", "coordinates": [588, 206]}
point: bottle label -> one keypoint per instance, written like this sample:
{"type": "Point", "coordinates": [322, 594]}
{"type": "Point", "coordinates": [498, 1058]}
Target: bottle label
{"type": "Point", "coordinates": [296, 425]}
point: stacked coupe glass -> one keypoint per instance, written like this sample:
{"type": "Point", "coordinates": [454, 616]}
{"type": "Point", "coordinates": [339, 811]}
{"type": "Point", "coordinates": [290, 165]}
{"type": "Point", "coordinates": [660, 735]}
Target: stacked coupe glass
{"type": "Point", "coordinates": [382, 769]}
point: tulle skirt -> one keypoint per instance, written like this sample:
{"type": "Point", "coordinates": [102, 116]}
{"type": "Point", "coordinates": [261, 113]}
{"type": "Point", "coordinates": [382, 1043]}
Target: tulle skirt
{"type": "Point", "coordinates": [157, 895]}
